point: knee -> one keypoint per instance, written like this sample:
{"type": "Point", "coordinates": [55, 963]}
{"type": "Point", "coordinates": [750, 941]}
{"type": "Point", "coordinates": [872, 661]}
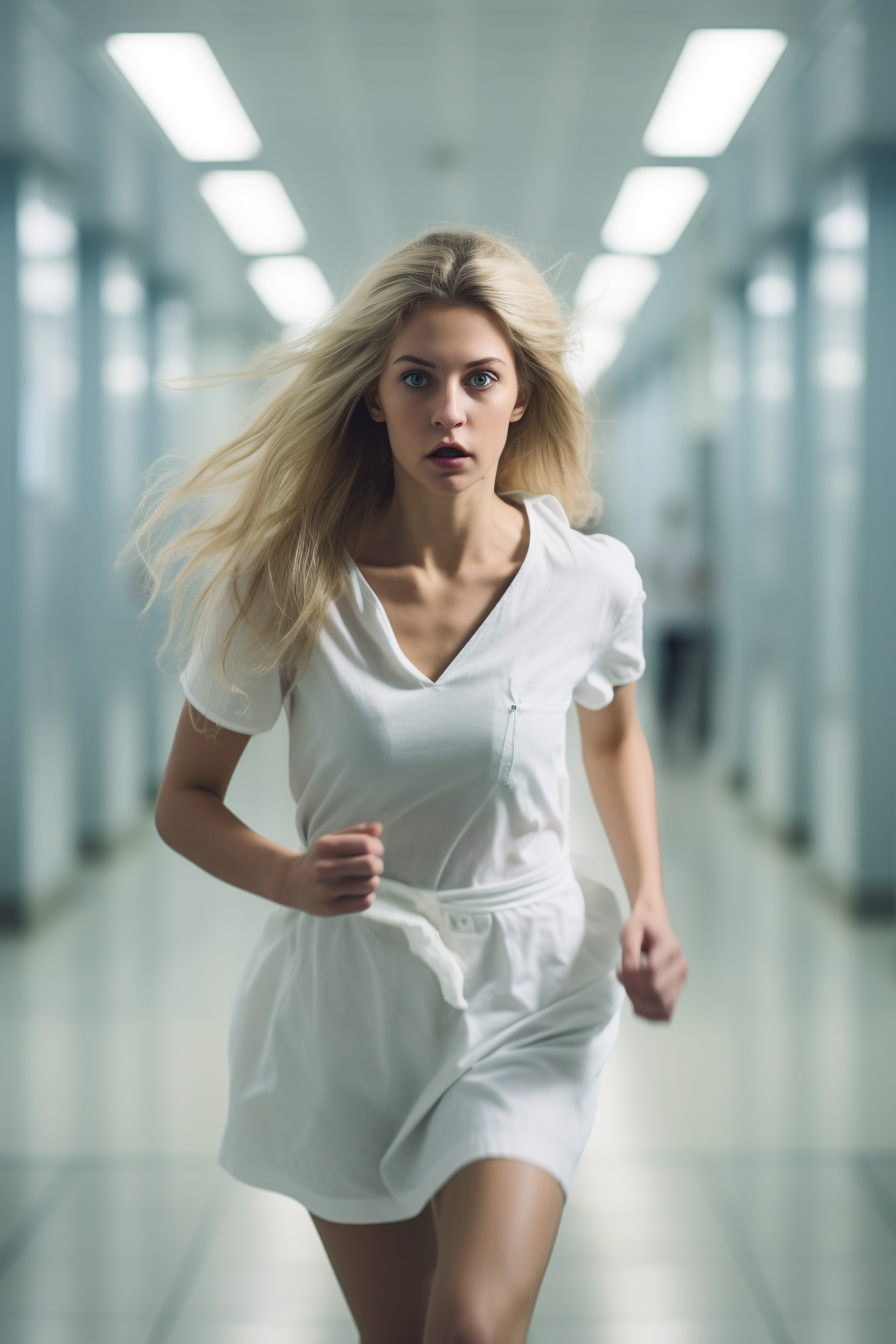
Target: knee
{"type": "Point", "coordinates": [468, 1329]}
{"type": "Point", "coordinates": [465, 1318]}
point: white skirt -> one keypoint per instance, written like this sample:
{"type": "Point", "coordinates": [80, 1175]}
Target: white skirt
{"type": "Point", "coordinates": [374, 1055]}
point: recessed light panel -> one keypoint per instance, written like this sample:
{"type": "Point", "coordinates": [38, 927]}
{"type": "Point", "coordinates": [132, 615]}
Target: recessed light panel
{"type": "Point", "coordinates": [614, 287]}
{"type": "Point", "coordinates": [185, 89]}
{"type": "Point", "coordinates": [652, 209]}
{"type": "Point", "coordinates": [43, 232]}
{"type": "Point", "coordinates": [292, 289]}
{"type": "Point", "coordinates": [254, 211]}
{"type": "Point", "coordinates": [48, 287]}
{"type": "Point", "coordinates": [771, 295]}
{"type": "Point", "coordinates": [843, 228]}
{"type": "Point", "coordinates": [711, 90]}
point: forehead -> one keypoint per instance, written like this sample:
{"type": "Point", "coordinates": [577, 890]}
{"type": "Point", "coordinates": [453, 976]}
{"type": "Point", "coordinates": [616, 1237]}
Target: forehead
{"type": "Point", "coordinates": [443, 329]}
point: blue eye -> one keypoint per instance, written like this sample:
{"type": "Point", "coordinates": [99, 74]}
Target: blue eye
{"type": "Point", "coordinates": [483, 373]}
{"type": "Point", "coordinates": [415, 373]}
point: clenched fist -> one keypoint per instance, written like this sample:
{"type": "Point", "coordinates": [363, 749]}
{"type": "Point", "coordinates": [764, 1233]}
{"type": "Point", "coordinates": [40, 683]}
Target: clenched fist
{"type": "Point", "coordinates": [338, 875]}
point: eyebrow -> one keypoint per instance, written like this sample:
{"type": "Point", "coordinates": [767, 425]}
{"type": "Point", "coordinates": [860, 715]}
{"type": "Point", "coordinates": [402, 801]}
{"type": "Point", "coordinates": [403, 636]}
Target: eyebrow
{"type": "Point", "coordinates": [427, 364]}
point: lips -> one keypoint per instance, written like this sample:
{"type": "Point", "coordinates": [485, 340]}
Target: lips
{"type": "Point", "coordinates": [449, 450]}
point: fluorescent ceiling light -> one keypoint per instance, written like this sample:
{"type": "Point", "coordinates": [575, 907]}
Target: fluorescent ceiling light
{"type": "Point", "coordinates": [254, 211]}
{"type": "Point", "coordinates": [43, 232]}
{"type": "Point", "coordinates": [614, 287]}
{"type": "Point", "coordinates": [185, 89]}
{"type": "Point", "coordinates": [771, 295]}
{"type": "Point", "coordinates": [597, 346]}
{"type": "Point", "coordinates": [840, 370]}
{"type": "Point", "coordinates": [125, 375]}
{"type": "Point", "coordinates": [711, 90]}
{"type": "Point", "coordinates": [121, 292]}
{"type": "Point", "coordinates": [48, 287]}
{"type": "Point", "coordinates": [292, 289]}
{"type": "Point", "coordinates": [652, 209]}
{"type": "Point", "coordinates": [844, 228]}
{"type": "Point", "coordinates": [840, 281]}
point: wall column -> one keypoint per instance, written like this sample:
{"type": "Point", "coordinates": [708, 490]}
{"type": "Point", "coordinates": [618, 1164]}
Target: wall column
{"type": "Point", "coordinates": [11, 864]}
{"type": "Point", "coordinates": [876, 570]}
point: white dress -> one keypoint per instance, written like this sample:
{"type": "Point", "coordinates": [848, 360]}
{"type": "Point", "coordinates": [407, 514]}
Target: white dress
{"type": "Point", "coordinates": [469, 1012]}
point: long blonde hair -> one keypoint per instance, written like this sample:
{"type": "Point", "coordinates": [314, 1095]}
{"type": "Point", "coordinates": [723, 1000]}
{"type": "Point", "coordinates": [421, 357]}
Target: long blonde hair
{"type": "Point", "coordinates": [300, 484]}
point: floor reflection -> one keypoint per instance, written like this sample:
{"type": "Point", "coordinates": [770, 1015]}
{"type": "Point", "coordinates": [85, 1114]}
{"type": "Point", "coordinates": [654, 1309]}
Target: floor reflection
{"type": "Point", "coordinates": [740, 1185]}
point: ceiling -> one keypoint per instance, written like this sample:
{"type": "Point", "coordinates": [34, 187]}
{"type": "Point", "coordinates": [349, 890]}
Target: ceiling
{"type": "Point", "coordinates": [384, 116]}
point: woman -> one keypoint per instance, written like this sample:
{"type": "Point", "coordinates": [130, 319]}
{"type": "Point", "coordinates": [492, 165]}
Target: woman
{"type": "Point", "coordinates": [419, 1036]}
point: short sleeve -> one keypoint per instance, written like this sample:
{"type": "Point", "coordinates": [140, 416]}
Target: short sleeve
{"type": "Point", "coordinates": [620, 657]}
{"type": "Point", "coordinates": [246, 701]}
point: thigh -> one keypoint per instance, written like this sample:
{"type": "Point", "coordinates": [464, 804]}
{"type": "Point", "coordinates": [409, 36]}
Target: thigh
{"type": "Point", "coordinates": [385, 1271]}
{"type": "Point", "coordinates": [496, 1223]}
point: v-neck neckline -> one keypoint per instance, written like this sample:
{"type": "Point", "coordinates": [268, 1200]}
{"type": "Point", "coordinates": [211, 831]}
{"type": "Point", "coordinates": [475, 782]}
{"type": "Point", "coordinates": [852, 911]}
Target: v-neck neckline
{"type": "Point", "coordinates": [354, 569]}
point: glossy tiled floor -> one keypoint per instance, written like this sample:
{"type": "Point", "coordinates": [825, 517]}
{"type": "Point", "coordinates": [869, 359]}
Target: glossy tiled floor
{"type": "Point", "coordinates": [740, 1186]}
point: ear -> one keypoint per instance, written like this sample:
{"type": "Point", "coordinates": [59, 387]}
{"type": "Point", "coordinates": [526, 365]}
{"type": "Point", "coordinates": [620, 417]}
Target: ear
{"type": "Point", "coordinates": [372, 400]}
{"type": "Point", "coordinates": [524, 392]}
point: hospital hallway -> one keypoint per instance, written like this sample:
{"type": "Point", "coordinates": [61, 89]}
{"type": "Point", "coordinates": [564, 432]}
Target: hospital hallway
{"type": "Point", "coordinates": [698, 198]}
{"type": "Point", "coordinates": [739, 1186]}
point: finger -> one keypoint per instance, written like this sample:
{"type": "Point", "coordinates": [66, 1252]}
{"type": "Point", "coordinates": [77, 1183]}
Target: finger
{"type": "Point", "coordinates": [640, 977]}
{"type": "Point", "coordinates": [651, 1013]}
{"type": "Point", "coordinates": [332, 870]}
{"type": "Point", "coordinates": [672, 972]}
{"type": "Point", "coordinates": [657, 1004]}
{"type": "Point", "coordinates": [648, 982]}
{"type": "Point", "coordinates": [357, 842]}
{"type": "Point", "coordinates": [370, 827]}
{"type": "Point", "coordinates": [672, 976]}
{"type": "Point", "coordinates": [631, 938]}
{"type": "Point", "coordinates": [656, 980]}
{"type": "Point", "coordinates": [348, 905]}
{"type": "Point", "coordinates": [648, 1001]}
{"type": "Point", "coordinates": [352, 900]}
{"type": "Point", "coordinates": [664, 952]}
{"type": "Point", "coordinates": [351, 886]}
{"type": "Point", "coordinates": [339, 845]}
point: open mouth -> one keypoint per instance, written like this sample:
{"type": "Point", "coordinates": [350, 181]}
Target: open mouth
{"type": "Point", "coordinates": [449, 451]}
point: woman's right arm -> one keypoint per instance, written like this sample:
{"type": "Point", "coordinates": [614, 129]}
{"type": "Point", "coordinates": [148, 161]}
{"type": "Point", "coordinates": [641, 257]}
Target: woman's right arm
{"type": "Point", "coordinates": [338, 875]}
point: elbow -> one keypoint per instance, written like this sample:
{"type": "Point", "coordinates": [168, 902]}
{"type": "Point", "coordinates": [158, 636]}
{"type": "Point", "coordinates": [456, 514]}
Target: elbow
{"type": "Point", "coordinates": [615, 741]}
{"type": "Point", "coordinates": [162, 817]}
{"type": "Point", "coordinates": [607, 746]}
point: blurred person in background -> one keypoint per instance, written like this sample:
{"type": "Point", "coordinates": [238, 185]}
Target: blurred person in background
{"type": "Point", "coordinates": [678, 581]}
{"type": "Point", "coordinates": [419, 1036]}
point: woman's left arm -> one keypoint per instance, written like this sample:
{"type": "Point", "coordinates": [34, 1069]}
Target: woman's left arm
{"type": "Point", "coordinates": [620, 772]}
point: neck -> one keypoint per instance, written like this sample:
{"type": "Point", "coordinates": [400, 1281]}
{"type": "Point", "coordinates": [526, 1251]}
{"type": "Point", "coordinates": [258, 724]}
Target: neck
{"type": "Point", "coordinates": [443, 532]}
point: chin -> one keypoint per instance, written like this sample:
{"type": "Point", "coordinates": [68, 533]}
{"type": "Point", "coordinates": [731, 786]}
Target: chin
{"type": "Point", "coordinates": [451, 485]}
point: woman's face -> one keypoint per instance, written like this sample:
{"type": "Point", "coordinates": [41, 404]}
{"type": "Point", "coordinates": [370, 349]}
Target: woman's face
{"type": "Point", "coordinates": [447, 395]}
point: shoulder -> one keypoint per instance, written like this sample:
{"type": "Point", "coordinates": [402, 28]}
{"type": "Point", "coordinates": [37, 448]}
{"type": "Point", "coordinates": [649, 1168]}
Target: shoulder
{"type": "Point", "coordinates": [601, 561]}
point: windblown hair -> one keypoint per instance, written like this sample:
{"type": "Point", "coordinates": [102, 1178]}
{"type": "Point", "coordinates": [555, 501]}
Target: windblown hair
{"type": "Point", "coordinates": [281, 501]}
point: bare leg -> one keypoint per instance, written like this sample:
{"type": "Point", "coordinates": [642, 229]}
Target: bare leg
{"type": "Point", "coordinates": [385, 1271]}
{"type": "Point", "coordinates": [496, 1223]}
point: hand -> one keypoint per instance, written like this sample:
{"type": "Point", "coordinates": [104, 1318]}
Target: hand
{"type": "Point", "coordinates": [338, 875]}
{"type": "Point", "coordinates": [653, 969]}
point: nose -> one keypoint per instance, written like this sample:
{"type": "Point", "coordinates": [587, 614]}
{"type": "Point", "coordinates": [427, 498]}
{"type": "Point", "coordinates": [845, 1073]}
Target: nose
{"type": "Point", "coordinates": [449, 412]}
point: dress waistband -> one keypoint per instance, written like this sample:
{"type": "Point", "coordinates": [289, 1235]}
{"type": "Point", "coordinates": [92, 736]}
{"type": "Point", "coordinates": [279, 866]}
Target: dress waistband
{"type": "Point", "coordinates": [420, 913]}
{"type": "Point", "coordinates": [481, 900]}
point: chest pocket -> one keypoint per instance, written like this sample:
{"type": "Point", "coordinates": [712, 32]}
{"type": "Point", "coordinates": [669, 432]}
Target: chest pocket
{"type": "Point", "coordinates": [533, 727]}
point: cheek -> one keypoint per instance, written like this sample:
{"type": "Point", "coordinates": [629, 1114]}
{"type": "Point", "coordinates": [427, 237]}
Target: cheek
{"type": "Point", "coordinates": [407, 425]}
{"type": "Point", "coordinates": [400, 412]}
{"type": "Point", "coordinates": [494, 415]}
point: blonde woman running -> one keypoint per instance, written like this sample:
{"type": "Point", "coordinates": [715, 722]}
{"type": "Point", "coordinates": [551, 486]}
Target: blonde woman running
{"type": "Point", "coordinates": [419, 1036]}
